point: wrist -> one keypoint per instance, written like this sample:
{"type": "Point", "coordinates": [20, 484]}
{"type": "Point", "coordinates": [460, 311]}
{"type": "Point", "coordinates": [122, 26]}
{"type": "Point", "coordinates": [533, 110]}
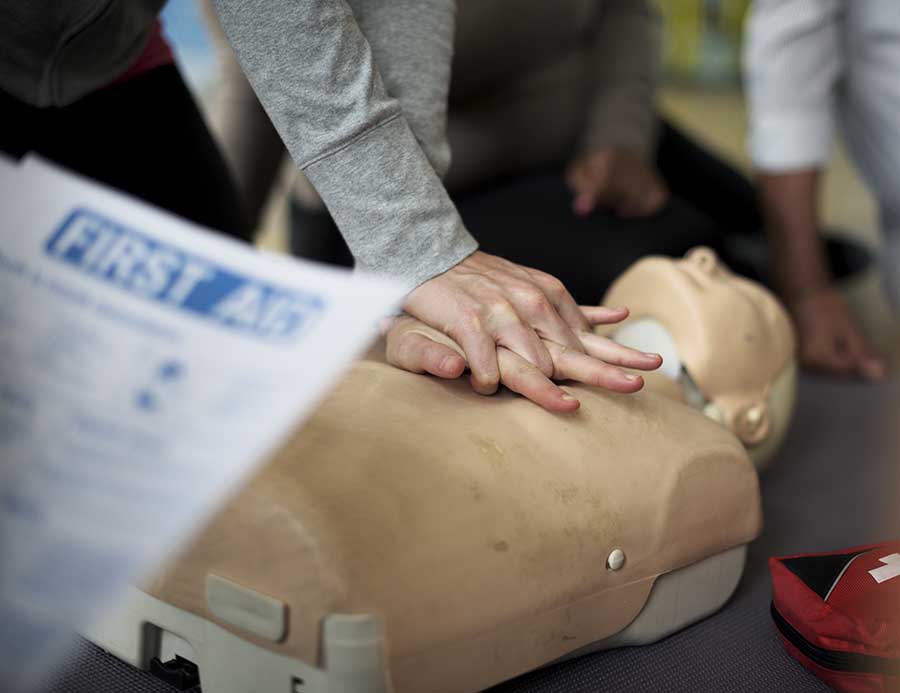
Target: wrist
{"type": "Point", "coordinates": [800, 270]}
{"type": "Point", "coordinates": [799, 265]}
{"type": "Point", "coordinates": [611, 149]}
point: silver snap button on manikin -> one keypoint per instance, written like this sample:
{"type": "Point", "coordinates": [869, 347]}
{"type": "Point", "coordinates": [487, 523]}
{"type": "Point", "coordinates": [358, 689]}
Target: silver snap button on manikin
{"type": "Point", "coordinates": [615, 560]}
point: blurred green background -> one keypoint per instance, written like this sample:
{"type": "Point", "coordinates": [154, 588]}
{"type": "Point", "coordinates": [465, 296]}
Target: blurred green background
{"type": "Point", "coordinates": [702, 40]}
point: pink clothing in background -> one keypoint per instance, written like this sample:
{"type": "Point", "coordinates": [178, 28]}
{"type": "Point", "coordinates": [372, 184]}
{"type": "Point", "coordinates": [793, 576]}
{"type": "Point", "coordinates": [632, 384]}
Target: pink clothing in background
{"type": "Point", "coordinates": [156, 53]}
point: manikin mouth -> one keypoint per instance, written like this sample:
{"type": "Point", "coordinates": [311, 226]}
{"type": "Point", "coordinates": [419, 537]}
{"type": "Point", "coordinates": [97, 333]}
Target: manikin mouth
{"type": "Point", "coordinates": [648, 334]}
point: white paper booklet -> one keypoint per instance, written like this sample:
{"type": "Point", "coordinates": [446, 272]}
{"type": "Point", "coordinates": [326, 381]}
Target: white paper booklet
{"type": "Point", "coordinates": [146, 368]}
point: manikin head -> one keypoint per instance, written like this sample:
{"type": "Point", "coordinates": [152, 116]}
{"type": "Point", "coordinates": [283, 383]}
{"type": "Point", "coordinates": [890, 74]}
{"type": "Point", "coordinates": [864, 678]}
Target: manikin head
{"type": "Point", "coordinates": [727, 343]}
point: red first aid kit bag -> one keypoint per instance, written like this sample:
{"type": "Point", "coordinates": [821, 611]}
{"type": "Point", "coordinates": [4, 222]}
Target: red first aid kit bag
{"type": "Point", "coordinates": [838, 613]}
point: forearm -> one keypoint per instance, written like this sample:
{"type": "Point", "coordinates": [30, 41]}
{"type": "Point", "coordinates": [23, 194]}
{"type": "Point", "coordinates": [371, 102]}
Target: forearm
{"type": "Point", "coordinates": [624, 66]}
{"type": "Point", "coordinates": [789, 203]}
{"type": "Point", "coordinates": [316, 77]}
{"type": "Point", "coordinates": [412, 44]}
{"type": "Point", "coordinates": [829, 338]}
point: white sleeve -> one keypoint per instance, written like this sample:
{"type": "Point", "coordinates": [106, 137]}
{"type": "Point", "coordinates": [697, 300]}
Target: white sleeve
{"type": "Point", "coordinates": [793, 58]}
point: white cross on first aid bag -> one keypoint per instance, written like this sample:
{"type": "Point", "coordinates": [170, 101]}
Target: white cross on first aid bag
{"type": "Point", "coordinates": [889, 570]}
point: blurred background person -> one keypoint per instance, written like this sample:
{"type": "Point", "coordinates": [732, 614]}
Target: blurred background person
{"type": "Point", "coordinates": [812, 65]}
{"type": "Point", "coordinates": [100, 94]}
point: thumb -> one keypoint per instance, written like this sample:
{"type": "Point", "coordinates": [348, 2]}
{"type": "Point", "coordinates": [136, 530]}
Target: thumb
{"type": "Point", "coordinates": [588, 179]}
{"type": "Point", "coordinates": [417, 348]}
{"type": "Point", "coordinates": [584, 203]}
{"type": "Point", "coordinates": [872, 368]}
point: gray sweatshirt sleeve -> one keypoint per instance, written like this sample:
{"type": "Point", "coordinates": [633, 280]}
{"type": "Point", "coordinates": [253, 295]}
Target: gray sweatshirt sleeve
{"type": "Point", "coordinates": [314, 73]}
{"type": "Point", "coordinates": [625, 57]}
{"type": "Point", "coordinates": [412, 45]}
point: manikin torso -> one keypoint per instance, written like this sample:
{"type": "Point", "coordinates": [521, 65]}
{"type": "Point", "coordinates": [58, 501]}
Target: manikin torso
{"type": "Point", "coordinates": [472, 524]}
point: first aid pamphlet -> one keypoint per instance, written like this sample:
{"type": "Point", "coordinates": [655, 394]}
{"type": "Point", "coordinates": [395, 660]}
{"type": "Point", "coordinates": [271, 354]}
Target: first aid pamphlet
{"type": "Point", "coordinates": [147, 367]}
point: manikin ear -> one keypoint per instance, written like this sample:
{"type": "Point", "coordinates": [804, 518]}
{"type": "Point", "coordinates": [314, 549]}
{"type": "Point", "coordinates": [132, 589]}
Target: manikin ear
{"type": "Point", "coordinates": [704, 259]}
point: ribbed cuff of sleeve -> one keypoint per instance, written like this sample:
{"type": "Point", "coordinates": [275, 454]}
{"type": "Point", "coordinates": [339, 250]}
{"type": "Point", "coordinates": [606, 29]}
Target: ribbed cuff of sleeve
{"type": "Point", "coordinates": [390, 206]}
{"type": "Point", "coordinates": [790, 141]}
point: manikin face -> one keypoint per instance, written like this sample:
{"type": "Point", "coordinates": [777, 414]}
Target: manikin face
{"type": "Point", "coordinates": [726, 341]}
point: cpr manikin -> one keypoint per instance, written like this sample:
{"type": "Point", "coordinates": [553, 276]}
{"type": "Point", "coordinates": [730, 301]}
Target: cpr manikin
{"type": "Point", "coordinates": [415, 536]}
{"type": "Point", "coordinates": [727, 344]}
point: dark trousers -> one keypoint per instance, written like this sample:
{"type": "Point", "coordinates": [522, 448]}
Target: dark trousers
{"type": "Point", "coordinates": [528, 219]}
{"type": "Point", "coordinates": [145, 137]}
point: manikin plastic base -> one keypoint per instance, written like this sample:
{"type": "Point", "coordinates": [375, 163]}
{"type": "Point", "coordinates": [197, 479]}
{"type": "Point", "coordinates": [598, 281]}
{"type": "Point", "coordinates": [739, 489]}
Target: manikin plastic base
{"type": "Point", "coordinates": [353, 647]}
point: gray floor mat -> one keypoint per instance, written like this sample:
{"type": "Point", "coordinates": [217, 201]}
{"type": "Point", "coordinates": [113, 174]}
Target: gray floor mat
{"type": "Point", "coordinates": [834, 485]}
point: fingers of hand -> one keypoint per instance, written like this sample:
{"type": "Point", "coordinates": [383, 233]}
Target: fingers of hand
{"type": "Point", "coordinates": [534, 305]}
{"type": "Point", "coordinates": [643, 194]}
{"type": "Point", "coordinates": [862, 358]}
{"type": "Point", "coordinates": [416, 347]}
{"type": "Point", "coordinates": [496, 303]}
{"type": "Point", "coordinates": [617, 179]}
{"type": "Point", "coordinates": [418, 354]}
{"type": "Point", "coordinates": [857, 357]}
{"type": "Point", "coordinates": [618, 355]}
{"type": "Point", "coordinates": [589, 179]}
{"type": "Point", "coordinates": [522, 377]}
{"type": "Point", "coordinates": [481, 354]}
{"type": "Point", "coordinates": [572, 365]}
{"type": "Point", "coordinates": [826, 357]}
{"type": "Point", "coordinates": [590, 173]}
{"type": "Point", "coordinates": [601, 315]}
{"type": "Point", "coordinates": [445, 305]}
{"type": "Point", "coordinates": [562, 301]}
{"type": "Point", "coordinates": [871, 367]}
{"type": "Point", "coordinates": [524, 341]}
{"type": "Point", "coordinates": [584, 203]}
{"type": "Point", "coordinates": [830, 339]}
{"type": "Point", "coordinates": [656, 197]}
{"type": "Point", "coordinates": [517, 313]}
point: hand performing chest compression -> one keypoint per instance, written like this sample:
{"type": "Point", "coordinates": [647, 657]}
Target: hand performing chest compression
{"type": "Point", "coordinates": [519, 341]}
